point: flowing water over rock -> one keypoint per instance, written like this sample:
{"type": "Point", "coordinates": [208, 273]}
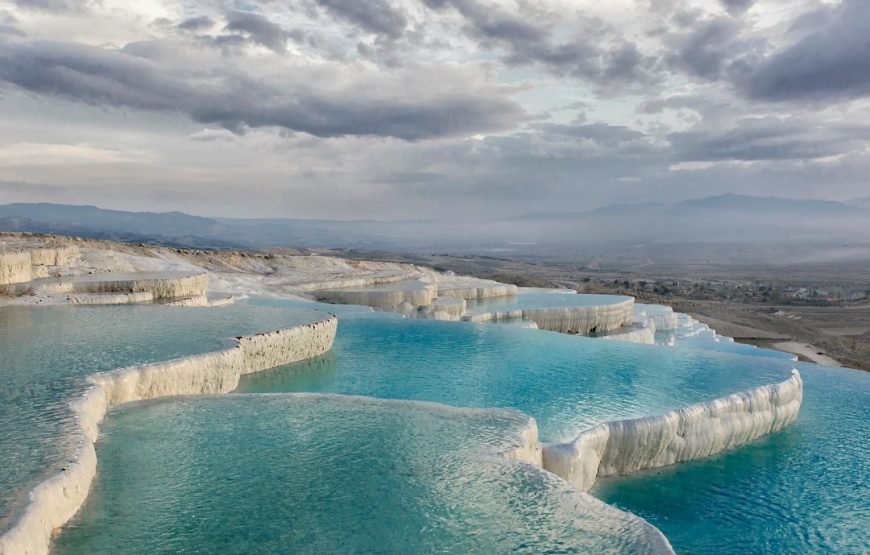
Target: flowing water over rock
{"type": "Point", "coordinates": [567, 383]}
{"type": "Point", "coordinates": [48, 352]}
{"type": "Point", "coordinates": [802, 490]}
{"type": "Point", "coordinates": [326, 474]}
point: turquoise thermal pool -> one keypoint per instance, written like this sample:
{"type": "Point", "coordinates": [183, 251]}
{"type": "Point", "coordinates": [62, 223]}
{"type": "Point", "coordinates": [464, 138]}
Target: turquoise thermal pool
{"type": "Point", "coordinates": [325, 474]}
{"type": "Point", "coordinates": [801, 490]}
{"type": "Point", "coordinates": [296, 460]}
{"type": "Point", "coordinates": [566, 383]}
{"type": "Point", "coordinates": [47, 353]}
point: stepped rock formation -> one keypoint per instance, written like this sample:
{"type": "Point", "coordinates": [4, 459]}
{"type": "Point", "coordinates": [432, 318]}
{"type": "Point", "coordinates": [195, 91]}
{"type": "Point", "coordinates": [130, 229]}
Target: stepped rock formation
{"type": "Point", "coordinates": [446, 308]}
{"type": "Point", "coordinates": [482, 289]}
{"type": "Point", "coordinates": [404, 297]}
{"type": "Point", "coordinates": [15, 267]}
{"type": "Point", "coordinates": [55, 501]}
{"type": "Point", "coordinates": [645, 335]}
{"type": "Point", "coordinates": [162, 287]}
{"type": "Point", "coordinates": [573, 320]}
{"type": "Point", "coordinates": [701, 430]}
{"type": "Point", "coordinates": [25, 264]}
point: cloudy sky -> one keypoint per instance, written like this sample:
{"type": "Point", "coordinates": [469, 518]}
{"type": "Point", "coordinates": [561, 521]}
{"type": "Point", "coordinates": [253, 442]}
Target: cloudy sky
{"type": "Point", "coordinates": [439, 109]}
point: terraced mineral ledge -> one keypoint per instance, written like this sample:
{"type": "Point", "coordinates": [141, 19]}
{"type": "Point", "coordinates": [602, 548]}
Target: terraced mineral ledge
{"type": "Point", "coordinates": [56, 500]}
{"type": "Point", "coordinates": [701, 430]}
{"type": "Point", "coordinates": [475, 373]}
{"type": "Point", "coordinates": [355, 474]}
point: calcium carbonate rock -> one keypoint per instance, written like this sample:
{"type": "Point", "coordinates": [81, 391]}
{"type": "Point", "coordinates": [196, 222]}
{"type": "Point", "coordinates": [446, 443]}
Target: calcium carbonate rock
{"type": "Point", "coordinates": [404, 297]}
{"type": "Point", "coordinates": [661, 316]}
{"type": "Point", "coordinates": [54, 502]}
{"type": "Point", "coordinates": [163, 286]}
{"type": "Point", "coordinates": [478, 289]}
{"type": "Point", "coordinates": [15, 267]}
{"type": "Point", "coordinates": [643, 334]}
{"type": "Point", "coordinates": [364, 280]}
{"type": "Point", "coordinates": [701, 430]}
{"type": "Point", "coordinates": [64, 255]}
{"type": "Point", "coordinates": [573, 319]}
{"type": "Point", "coordinates": [443, 308]}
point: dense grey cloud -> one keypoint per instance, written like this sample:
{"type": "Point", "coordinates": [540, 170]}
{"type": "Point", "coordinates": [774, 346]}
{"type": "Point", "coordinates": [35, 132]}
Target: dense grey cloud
{"type": "Point", "coordinates": [529, 39]}
{"type": "Point", "coordinates": [196, 23]}
{"type": "Point", "coordinates": [737, 7]}
{"type": "Point", "coordinates": [831, 62]}
{"type": "Point", "coordinates": [259, 29]}
{"type": "Point", "coordinates": [601, 133]}
{"type": "Point", "coordinates": [708, 47]}
{"type": "Point", "coordinates": [234, 100]}
{"type": "Point", "coordinates": [498, 106]}
{"type": "Point", "coordinates": [374, 16]}
{"type": "Point", "coordinates": [770, 138]}
{"type": "Point", "coordinates": [52, 5]}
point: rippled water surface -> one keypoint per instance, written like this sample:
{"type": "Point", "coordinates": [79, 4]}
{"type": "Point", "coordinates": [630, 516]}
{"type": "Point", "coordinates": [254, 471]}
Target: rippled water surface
{"type": "Point", "coordinates": [47, 352]}
{"type": "Point", "coordinates": [802, 490]}
{"type": "Point", "coordinates": [567, 383]}
{"type": "Point", "coordinates": [314, 474]}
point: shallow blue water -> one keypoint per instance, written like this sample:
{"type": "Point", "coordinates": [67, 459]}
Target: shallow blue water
{"type": "Point", "coordinates": [802, 490]}
{"type": "Point", "coordinates": [308, 474]}
{"type": "Point", "coordinates": [567, 383]}
{"type": "Point", "coordinates": [170, 454]}
{"type": "Point", "coordinates": [540, 300]}
{"type": "Point", "coordinates": [47, 352]}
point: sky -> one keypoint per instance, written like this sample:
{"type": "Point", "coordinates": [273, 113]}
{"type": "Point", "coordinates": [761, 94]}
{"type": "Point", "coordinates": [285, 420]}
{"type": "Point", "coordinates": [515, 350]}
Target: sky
{"type": "Point", "coordinates": [442, 109]}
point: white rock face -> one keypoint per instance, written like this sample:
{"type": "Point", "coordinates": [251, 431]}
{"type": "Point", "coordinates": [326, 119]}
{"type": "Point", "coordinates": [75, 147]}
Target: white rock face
{"type": "Point", "coordinates": [574, 320]}
{"type": "Point", "coordinates": [598, 517]}
{"type": "Point", "coordinates": [24, 265]}
{"type": "Point", "coordinates": [481, 289]}
{"type": "Point", "coordinates": [633, 334]}
{"type": "Point", "coordinates": [65, 255]}
{"type": "Point", "coordinates": [661, 316]}
{"type": "Point", "coordinates": [365, 280]}
{"type": "Point", "coordinates": [701, 430]}
{"type": "Point", "coordinates": [529, 449]}
{"type": "Point", "coordinates": [404, 297]}
{"type": "Point", "coordinates": [443, 308]}
{"type": "Point", "coordinates": [15, 267]}
{"type": "Point", "coordinates": [54, 502]}
{"type": "Point", "coordinates": [161, 288]}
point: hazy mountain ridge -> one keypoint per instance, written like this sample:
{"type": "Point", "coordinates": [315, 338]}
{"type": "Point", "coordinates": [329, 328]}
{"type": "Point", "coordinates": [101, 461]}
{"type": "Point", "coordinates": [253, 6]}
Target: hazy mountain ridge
{"type": "Point", "coordinates": [716, 219]}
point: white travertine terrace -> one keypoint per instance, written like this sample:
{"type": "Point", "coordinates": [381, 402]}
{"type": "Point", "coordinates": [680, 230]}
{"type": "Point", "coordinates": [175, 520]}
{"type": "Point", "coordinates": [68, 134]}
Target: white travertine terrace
{"type": "Point", "coordinates": [662, 317]}
{"type": "Point", "coordinates": [643, 334]}
{"type": "Point", "coordinates": [365, 280]}
{"type": "Point", "coordinates": [481, 289]}
{"type": "Point", "coordinates": [404, 298]}
{"type": "Point", "coordinates": [55, 501]}
{"type": "Point", "coordinates": [443, 308]}
{"type": "Point", "coordinates": [610, 519]}
{"type": "Point", "coordinates": [573, 319]}
{"type": "Point", "coordinates": [25, 264]}
{"type": "Point", "coordinates": [15, 267]}
{"type": "Point", "coordinates": [701, 430]}
{"type": "Point", "coordinates": [48, 259]}
{"type": "Point", "coordinates": [161, 287]}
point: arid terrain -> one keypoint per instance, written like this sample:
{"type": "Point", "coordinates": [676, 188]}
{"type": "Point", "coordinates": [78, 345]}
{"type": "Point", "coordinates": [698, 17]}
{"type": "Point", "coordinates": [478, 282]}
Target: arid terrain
{"type": "Point", "coordinates": [821, 312]}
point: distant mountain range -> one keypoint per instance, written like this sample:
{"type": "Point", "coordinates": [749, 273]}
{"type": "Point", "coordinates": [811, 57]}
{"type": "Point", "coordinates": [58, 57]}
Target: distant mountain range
{"type": "Point", "coordinates": [722, 218]}
{"type": "Point", "coordinates": [729, 202]}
